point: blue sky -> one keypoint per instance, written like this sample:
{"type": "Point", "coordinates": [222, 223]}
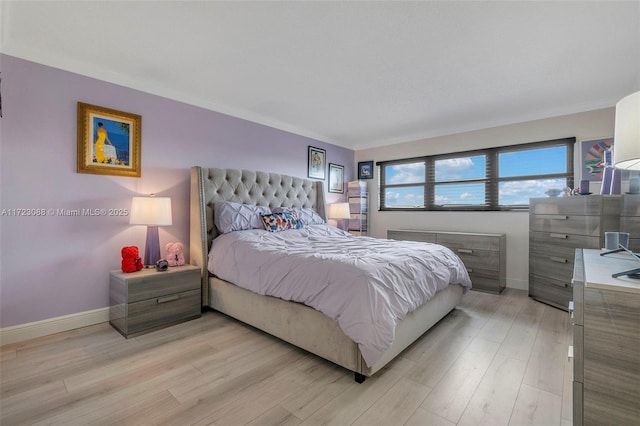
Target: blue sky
{"type": "Point", "coordinates": [511, 164]}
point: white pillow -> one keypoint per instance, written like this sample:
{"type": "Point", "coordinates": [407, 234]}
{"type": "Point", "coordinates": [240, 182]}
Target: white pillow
{"type": "Point", "coordinates": [230, 216]}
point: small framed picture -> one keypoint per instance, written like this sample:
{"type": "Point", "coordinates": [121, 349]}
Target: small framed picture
{"type": "Point", "coordinates": [593, 158]}
{"type": "Point", "coordinates": [317, 162]}
{"type": "Point", "coordinates": [365, 170]}
{"type": "Point", "coordinates": [336, 178]}
{"type": "Point", "coordinates": [108, 141]}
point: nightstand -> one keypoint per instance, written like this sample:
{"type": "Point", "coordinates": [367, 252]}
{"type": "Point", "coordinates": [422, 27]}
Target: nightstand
{"type": "Point", "coordinates": [149, 300]}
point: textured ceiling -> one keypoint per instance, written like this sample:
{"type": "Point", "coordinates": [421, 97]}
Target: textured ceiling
{"type": "Point", "coordinates": [356, 74]}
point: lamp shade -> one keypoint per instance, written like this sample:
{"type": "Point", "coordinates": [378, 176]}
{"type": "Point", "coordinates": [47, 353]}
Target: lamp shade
{"type": "Point", "coordinates": [626, 150]}
{"type": "Point", "coordinates": [150, 211]}
{"type": "Point", "coordinates": [338, 211]}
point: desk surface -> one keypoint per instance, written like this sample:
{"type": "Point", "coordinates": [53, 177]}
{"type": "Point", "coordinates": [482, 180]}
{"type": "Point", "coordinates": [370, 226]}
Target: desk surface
{"type": "Point", "coordinates": [598, 270]}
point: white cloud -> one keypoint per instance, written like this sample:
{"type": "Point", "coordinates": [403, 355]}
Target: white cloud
{"type": "Point", "coordinates": [455, 164]}
{"type": "Point", "coordinates": [519, 192]}
{"type": "Point", "coordinates": [466, 195]}
{"type": "Point", "coordinates": [391, 196]}
{"type": "Point", "coordinates": [406, 173]}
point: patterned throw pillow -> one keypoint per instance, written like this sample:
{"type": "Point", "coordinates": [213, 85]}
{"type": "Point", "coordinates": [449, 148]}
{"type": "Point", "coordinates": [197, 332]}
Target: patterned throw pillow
{"type": "Point", "coordinates": [306, 215]}
{"type": "Point", "coordinates": [282, 221]}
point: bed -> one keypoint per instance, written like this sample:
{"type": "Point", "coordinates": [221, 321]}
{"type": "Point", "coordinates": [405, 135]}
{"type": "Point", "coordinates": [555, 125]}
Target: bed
{"type": "Point", "coordinates": [294, 322]}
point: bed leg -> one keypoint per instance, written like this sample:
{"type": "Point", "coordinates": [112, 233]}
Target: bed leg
{"type": "Point", "coordinates": [360, 377]}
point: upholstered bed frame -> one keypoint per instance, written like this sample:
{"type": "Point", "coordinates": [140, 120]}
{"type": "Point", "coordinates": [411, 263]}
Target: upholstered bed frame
{"type": "Point", "coordinates": [293, 322]}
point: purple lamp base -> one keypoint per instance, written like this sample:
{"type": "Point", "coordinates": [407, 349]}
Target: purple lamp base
{"type": "Point", "coordinates": [152, 247]}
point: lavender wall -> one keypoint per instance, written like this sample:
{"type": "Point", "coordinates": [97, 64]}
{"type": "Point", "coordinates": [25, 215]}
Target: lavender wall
{"type": "Point", "coordinates": [52, 266]}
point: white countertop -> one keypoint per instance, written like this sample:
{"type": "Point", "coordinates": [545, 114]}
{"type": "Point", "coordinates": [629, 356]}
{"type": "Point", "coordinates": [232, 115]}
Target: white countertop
{"type": "Point", "coordinates": [598, 270]}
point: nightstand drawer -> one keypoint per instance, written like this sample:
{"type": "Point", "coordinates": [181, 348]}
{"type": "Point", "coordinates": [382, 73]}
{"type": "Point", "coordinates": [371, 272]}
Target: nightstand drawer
{"type": "Point", "coordinates": [158, 312]}
{"type": "Point", "coordinates": [160, 284]}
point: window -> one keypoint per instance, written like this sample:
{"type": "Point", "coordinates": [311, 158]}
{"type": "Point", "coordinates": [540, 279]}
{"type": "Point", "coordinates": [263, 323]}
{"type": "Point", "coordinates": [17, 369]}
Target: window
{"type": "Point", "coordinates": [502, 178]}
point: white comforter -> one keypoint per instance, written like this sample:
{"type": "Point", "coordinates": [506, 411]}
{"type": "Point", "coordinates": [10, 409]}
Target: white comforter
{"type": "Point", "coordinates": [366, 284]}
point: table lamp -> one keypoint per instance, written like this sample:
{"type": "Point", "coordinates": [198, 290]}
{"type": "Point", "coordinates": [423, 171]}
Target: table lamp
{"type": "Point", "coordinates": [153, 212]}
{"type": "Point", "coordinates": [338, 211]}
{"type": "Point", "coordinates": [626, 149]}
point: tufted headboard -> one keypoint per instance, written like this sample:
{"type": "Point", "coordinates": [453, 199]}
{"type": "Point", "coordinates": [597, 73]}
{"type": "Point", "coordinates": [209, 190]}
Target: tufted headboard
{"type": "Point", "coordinates": [209, 185]}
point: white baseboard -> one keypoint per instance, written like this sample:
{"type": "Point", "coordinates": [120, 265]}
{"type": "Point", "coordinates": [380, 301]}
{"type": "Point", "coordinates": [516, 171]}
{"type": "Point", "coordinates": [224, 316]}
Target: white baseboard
{"type": "Point", "coordinates": [31, 330]}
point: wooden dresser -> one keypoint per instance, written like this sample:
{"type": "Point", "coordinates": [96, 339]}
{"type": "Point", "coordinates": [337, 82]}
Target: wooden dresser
{"type": "Point", "coordinates": [557, 226]}
{"type": "Point", "coordinates": [606, 340]}
{"type": "Point", "coordinates": [484, 255]}
{"type": "Point", "coordinates": [630, 219]}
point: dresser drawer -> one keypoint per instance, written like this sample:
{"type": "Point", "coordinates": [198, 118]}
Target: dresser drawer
{"type": "Point", "coordinates": [423, 236]}
{"type": "Point", "coordinates": [553, 253]}
{"type": "Point", "coordinates": [551, 291]}
{"type": "Point", "coordinates": [559, 224]}
{"type": "Point", "coordinates": [541, 240]}
{"type": "Point", "coordinates": [578, 409]}
{"type": "Point", "coordinates": [631, 224]}
{"type": "Point", "coordinates": [556, 264]}
{"type": "Point", "coordinates": [631, 205]}
{"type": "Point", "coordinates": [478, 259]}
{"type": "Point", "coordinates": [161, 284]}
{"type": "Point", "coordinates": [489, 281]}
{"type": "Point", "coordinates": [582, 206]}
{"type": "Point", "coordinates": [162, 311]}
{"type": "Point", "coordinates": [578, 353]}
{"type": "Point", "coordinates": [469, 241]}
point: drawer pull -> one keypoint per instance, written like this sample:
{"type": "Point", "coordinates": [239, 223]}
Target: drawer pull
{"type": "Point", "coordinates": [167, 299]}
{"type": "Point", "coordinates": [559, 236]}
{"type": "Point", "coordinates": [469, 270]}
{"type": "Point", "coordinates": [468, 251]}
{"type": "Point", "coordinates": [558, 259]}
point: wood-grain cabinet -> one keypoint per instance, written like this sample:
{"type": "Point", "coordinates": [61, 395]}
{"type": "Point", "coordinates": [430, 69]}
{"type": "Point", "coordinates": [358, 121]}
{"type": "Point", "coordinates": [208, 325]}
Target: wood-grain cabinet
{"type": "Point", "coordinates": [606, 340]}
{"type": "Point", "coordinates": [484, 255]}
{"type": "Point", "coordinates": [630, 219]}
{"type": "Point", "coordinates": [148, 300]}
{"type": "Point", "coordinates": [557, 226]}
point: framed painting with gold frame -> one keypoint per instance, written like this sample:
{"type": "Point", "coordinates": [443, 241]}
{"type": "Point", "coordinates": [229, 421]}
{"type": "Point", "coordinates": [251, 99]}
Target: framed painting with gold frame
{"type": "Point", "coordinates": [108, 141]}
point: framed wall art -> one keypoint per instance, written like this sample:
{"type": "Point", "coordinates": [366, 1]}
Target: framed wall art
{"type": "Point", "coordinates": [336, 178]}
{"type": "Point", "coordinates": [108, 141]}
{"type": "Point", "coordinates": [592, 152]}
{"type": "Point", "coordinates": [317, 162]}
{"type": "Point", "coordinates": [365, 170]}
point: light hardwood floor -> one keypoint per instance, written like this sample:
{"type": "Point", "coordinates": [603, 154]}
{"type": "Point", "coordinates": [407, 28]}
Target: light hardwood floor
{"type": "Point", "coordinates": [495, 360]}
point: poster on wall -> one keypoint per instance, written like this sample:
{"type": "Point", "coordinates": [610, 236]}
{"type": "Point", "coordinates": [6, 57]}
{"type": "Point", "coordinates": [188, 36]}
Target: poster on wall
{"type": "Point", "coordinates": [336, 178]}
{"type": "Point", "coordinates": [108, 141]}
{"type": "Point", "coordinates": [316, 162]}
{"type": "Point", "coordinates": [593, 156]}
